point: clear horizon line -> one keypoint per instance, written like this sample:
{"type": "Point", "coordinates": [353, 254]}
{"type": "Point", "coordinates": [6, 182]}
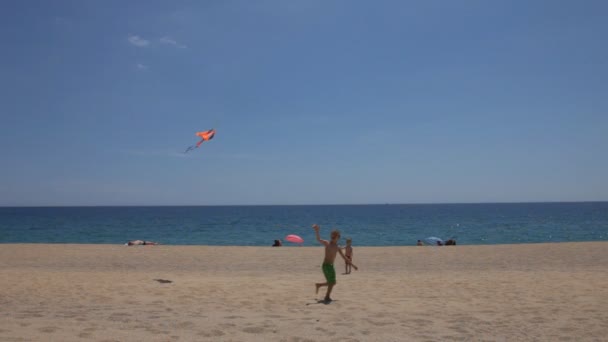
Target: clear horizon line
{"type": "Point", "coordinates": [289, 205]}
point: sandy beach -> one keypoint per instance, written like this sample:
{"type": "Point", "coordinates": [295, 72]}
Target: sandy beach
{"type": "Point", "coordinates": [536, 292]}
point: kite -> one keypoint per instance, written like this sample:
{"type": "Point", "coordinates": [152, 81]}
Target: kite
{"type": "Point", "coordinates": [205, 136]}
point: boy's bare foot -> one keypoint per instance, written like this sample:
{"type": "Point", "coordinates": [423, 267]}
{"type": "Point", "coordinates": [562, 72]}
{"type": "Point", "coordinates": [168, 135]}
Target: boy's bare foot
{"type": "Point", "coordinates": [327, 300]}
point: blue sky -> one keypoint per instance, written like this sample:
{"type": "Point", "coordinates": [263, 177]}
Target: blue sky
{"type": "Point", "coordinates": [314, 102]}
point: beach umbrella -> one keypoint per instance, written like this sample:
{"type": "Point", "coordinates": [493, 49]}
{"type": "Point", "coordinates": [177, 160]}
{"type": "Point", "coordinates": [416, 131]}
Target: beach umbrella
{"type": "Point", "coordinates": [294, 239]}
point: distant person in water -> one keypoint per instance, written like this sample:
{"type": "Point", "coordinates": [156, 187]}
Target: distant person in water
{"type": "Point", "coordinates": [142, 243]}
{"type": "Point", "coordinates": [419, 243]}
{"type": "Point", "coordinates": [277, 243]}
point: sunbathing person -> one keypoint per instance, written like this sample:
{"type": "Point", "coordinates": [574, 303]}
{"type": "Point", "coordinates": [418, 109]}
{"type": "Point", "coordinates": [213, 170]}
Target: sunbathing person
{"type": "Point", "coordinates": [141, 242]}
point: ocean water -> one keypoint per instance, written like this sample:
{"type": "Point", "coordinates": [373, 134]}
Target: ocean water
{"type": "Point", "coordinates": [367, 225]}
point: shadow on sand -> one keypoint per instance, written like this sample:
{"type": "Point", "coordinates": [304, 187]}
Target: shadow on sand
{"type": "Point", "coordinates": [322, 301]}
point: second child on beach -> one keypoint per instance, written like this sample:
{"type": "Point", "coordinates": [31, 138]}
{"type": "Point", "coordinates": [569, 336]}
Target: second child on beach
{"type": "Point", "coordinates": [348, 252]}
{"type": "Point", "coordinates": [331, 250]}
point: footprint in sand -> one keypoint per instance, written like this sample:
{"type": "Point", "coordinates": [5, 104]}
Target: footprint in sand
{"type": "Point", "coordinates": [184, 325]}
{"type": "Point", "coordinates": [163, 281]}
{"type": "Point", "coordinates": [48, 329]}
{"type": "Point", "coordinates": [212, 333]}
{"type": "Point", "coordinates": [254, 330]}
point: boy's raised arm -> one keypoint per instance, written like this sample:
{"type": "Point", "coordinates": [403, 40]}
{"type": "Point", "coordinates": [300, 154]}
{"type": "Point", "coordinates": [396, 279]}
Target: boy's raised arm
{"type": "Point", "coordinates": [316, 228]}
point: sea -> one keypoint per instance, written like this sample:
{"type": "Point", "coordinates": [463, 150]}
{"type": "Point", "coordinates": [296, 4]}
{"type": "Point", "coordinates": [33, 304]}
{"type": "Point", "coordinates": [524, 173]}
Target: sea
{"type": "Point", "coordinates": [367, 225]}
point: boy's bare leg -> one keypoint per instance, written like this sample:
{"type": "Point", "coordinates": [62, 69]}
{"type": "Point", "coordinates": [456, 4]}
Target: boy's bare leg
{"type": "Point", "coordinates": [319, 285]}
{"type": "Point", "coordinates": [329, 288]}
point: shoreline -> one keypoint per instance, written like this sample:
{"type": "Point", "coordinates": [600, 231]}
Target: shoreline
{"type": "Point", "coordinates": [288, 245]}
{"type": "Point", "coordinates": [97, 292]}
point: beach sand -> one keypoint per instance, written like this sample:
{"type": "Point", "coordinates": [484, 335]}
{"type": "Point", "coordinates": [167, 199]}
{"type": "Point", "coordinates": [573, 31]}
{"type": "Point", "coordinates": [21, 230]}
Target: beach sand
{"type": "Point", "coordinates": [535, 292]}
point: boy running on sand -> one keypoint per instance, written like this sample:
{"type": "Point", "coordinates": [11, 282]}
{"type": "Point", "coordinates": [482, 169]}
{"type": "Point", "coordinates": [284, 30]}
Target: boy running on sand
{"type": "Point", "coordinates": [331, 249]}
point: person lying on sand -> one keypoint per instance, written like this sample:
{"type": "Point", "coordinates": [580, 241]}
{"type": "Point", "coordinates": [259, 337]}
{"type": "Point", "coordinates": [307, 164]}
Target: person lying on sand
{"type": "Point", "coordinates": [450, 242]}
{"type": "Point", "coordinates": [141, 242]}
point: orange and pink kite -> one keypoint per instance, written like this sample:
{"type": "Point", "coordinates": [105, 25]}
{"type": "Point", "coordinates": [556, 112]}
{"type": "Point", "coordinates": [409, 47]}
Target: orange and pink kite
{"type": "Point", "coordinates": [205, 136]}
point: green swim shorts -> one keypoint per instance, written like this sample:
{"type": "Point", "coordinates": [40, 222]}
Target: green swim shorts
{"type": "Point", "coordinates": [330, 273]}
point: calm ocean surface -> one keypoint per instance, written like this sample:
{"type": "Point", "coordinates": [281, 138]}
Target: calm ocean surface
{"type": "Point", "coordinates": [368, 225]}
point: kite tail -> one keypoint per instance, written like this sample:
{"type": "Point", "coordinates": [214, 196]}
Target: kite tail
{"type": "Point", "coordinates": [190, 148]}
